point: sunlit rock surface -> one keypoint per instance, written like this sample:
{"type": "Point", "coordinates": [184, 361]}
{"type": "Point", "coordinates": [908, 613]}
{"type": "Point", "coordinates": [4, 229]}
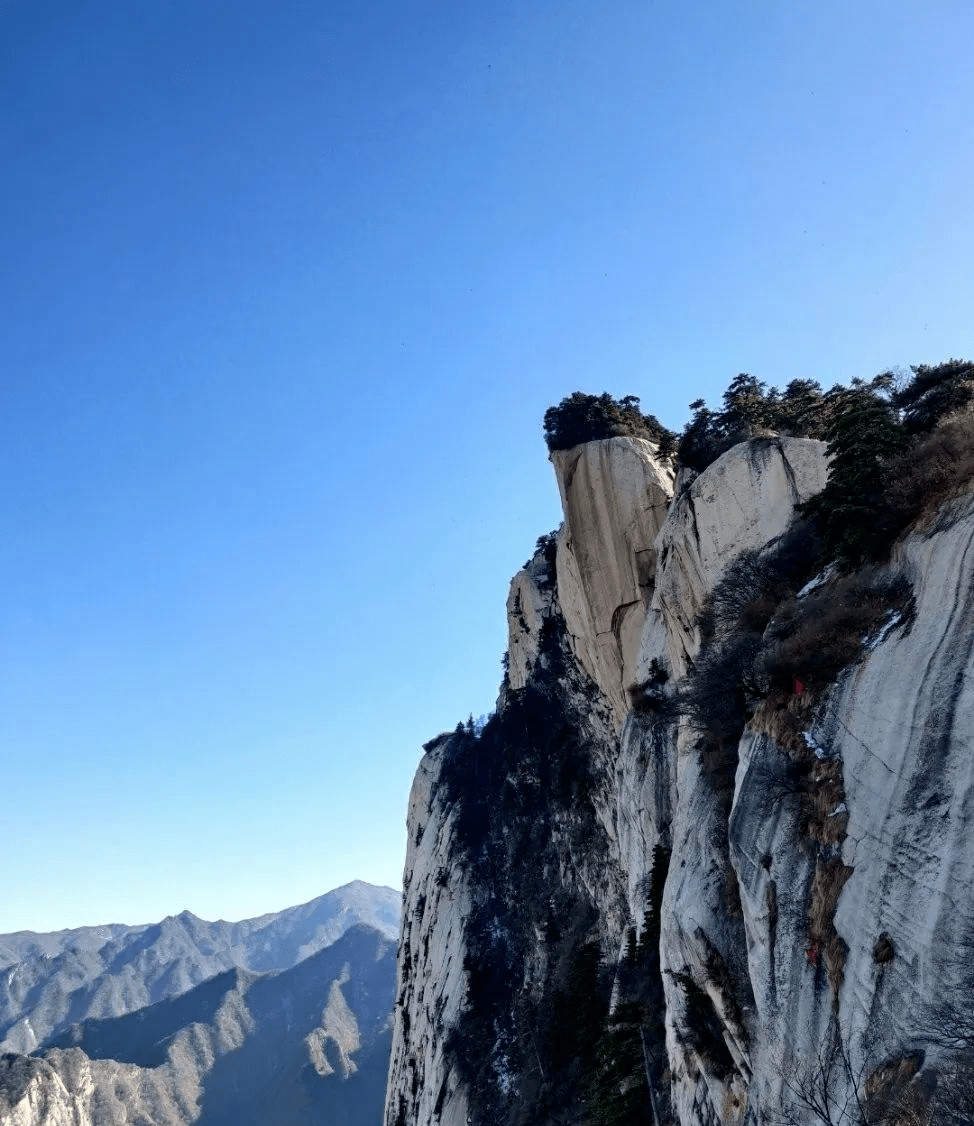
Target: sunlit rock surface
{"type": "Point", "coordinates": [742, 501]}
{"type": "Point", "coordinates": [896, 728]}
{"type": "Point", "coordinates": [429, 1002]}
{"type": "Point", "coordinates": [615, 496]}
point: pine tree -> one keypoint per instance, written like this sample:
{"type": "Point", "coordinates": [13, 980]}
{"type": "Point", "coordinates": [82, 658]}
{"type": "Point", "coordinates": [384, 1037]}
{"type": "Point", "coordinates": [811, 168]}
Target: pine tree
{"type": "Point", "coordinates": [582, 418]}
{"type": "Point", "coordinates": [631, 946]}
{"type": "Point", "coordinates": [617, 1092]}
{"type": "Point", "coordinates": [798, 409]}
{"type": "Point", "coordinates": [933, 392]}
{"type": "Point", "coordinates": [652, 919]}
{"type": "Point", "coordinates": [863, 436]}
{"type": "Point", "coordinates": [704, 438]}
{"type": "Point", "coordinates": [589, 1007]}
{"type": "Point", "coordinates": [745, 406]}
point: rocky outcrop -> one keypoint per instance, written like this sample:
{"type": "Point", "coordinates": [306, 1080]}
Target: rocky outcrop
{"type": "Point", "coordinates": [615, 496]}
{"type": "Point", "coordinates": [744, 500]}
{"type": "Point", "coordinates": [531, 603]}
{"type": "Point", "coordinates": [32, 1091]}
{"type": "Point", "coordinates": [433, 936]}
{"type": "Point", "coordinates": [815, 915]}
{"type": "Point", "coordinates": [496, 816]}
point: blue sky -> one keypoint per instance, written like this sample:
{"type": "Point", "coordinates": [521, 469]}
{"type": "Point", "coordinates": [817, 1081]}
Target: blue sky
{"type": "Point", "coordinates": [286, 290]}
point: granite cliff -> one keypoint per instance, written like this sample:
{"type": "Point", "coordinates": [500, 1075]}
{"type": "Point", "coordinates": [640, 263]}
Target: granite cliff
{"type": "Point", "coordinates": [710, 860]}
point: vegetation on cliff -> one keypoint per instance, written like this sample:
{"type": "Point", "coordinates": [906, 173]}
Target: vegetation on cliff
{"type": "Point", "coordinates": [895, 450]}
{"type": "Point", "coordinates": [560, 1025]}
{"type": "Point", "coordinates": [513, 787]}
{"type": "Point", "coordinates": [538, 980]}
{"type": "Point", "coordinates": [582, 418]}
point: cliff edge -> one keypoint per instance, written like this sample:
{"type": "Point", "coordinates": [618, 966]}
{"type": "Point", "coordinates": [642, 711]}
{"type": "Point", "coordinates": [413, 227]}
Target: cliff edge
{"type": "Point", "coordinates": [710, 860]}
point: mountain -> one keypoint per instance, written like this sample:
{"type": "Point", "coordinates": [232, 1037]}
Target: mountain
{"type": "Point", "coordinates": [51, 981]}
{"type": "Point", "coordinates": [304, 1046]}
{"type": "Point", "coordinates": [711, 860]}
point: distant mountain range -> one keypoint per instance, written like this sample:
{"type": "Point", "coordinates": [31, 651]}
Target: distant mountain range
{"type": "Point", "coordinates": [283, 1019]}
{"type": "Point", "coordinates": [51, 981]}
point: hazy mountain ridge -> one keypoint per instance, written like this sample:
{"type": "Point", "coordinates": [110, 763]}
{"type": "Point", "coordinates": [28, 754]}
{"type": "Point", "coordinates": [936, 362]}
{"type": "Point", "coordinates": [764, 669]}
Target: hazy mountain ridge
{"type": "Point", "coordinates": [302, 1046]}
{"type": "Point", "coordinates": [49, 982]}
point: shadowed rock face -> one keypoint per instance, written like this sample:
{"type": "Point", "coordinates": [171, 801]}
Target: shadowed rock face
{"type": "Point", "coordinates": [50, 981]}
{"type": "Point", "coordinates": [775, 945]}
{"type": "Point", "coordinates": [306, 1045]}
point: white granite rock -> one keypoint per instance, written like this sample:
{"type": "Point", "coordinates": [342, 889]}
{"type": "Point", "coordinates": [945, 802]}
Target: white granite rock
{"type": "Point", "coordinates": [615, 495]}
{"type": "Point", "coordinates": [743, 500]}
{"type": "Point", "coordinates": [431, 981]}
{"type": "Point", "coordinates": [529, 602]}
{"type": "Point", "coordinates": [736, 902]}
{"type": "Point", "coordinates": [900, 721]}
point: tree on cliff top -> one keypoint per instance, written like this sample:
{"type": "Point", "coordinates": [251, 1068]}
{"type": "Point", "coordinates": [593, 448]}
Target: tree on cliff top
{"type": "Point", "coordinates": [864, 435]}
{"type": "Point", "coordinates": [750, 408]}
{"type": "Point", "coordinates": [935, 391]}
{"type": "Point", "coordinates": [582, 418]}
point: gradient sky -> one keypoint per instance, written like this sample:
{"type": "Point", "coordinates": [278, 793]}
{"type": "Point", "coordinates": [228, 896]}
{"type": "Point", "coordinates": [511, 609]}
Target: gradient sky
{"type": "Point", "coordinates": [286, 289]}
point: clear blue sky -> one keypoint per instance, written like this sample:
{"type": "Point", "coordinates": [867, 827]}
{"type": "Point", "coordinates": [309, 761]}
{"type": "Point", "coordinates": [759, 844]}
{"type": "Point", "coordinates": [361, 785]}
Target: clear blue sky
{"type": "Point", "coordinates": [286, 289]}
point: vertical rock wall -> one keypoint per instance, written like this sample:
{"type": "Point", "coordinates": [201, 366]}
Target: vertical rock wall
{"type": "Point", "coordinates": [615, 496]}
{"type": "Point", "coordinates": [750, 1005]}
{"type": "Point", "coordinates": [900, 724]}
{"type": "Point", "coordinates": [431, 980]}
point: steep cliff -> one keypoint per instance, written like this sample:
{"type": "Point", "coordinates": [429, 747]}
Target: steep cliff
{"type": "Point", "coordinates": [710, 860]}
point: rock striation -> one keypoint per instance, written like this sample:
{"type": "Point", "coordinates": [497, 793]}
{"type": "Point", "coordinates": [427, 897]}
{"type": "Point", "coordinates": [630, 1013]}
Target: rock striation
{"type": "Point", "coordinates": [432, 937]}
{"type": "Point", "coordinates": [615, 496]}
{"type": "Point", "coordinates": [743, 501]}
{"type": "Point", "coordinates": [777, 915]}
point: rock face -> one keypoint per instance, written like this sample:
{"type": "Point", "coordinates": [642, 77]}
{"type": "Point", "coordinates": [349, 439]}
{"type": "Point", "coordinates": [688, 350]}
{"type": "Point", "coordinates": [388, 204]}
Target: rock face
{"type": "Point", "coordinates": [743, 501]}
{"type": "Point", "coordinates": [307, 1045]}
{"type": "Point", "coordinates": [615, 496]}
{"type": "Point", "coordinates": [782, 915]}
{"type": "Point", "coordinates": [432, 936]}
{"type": "Point", "coordinates": [900, 723]}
